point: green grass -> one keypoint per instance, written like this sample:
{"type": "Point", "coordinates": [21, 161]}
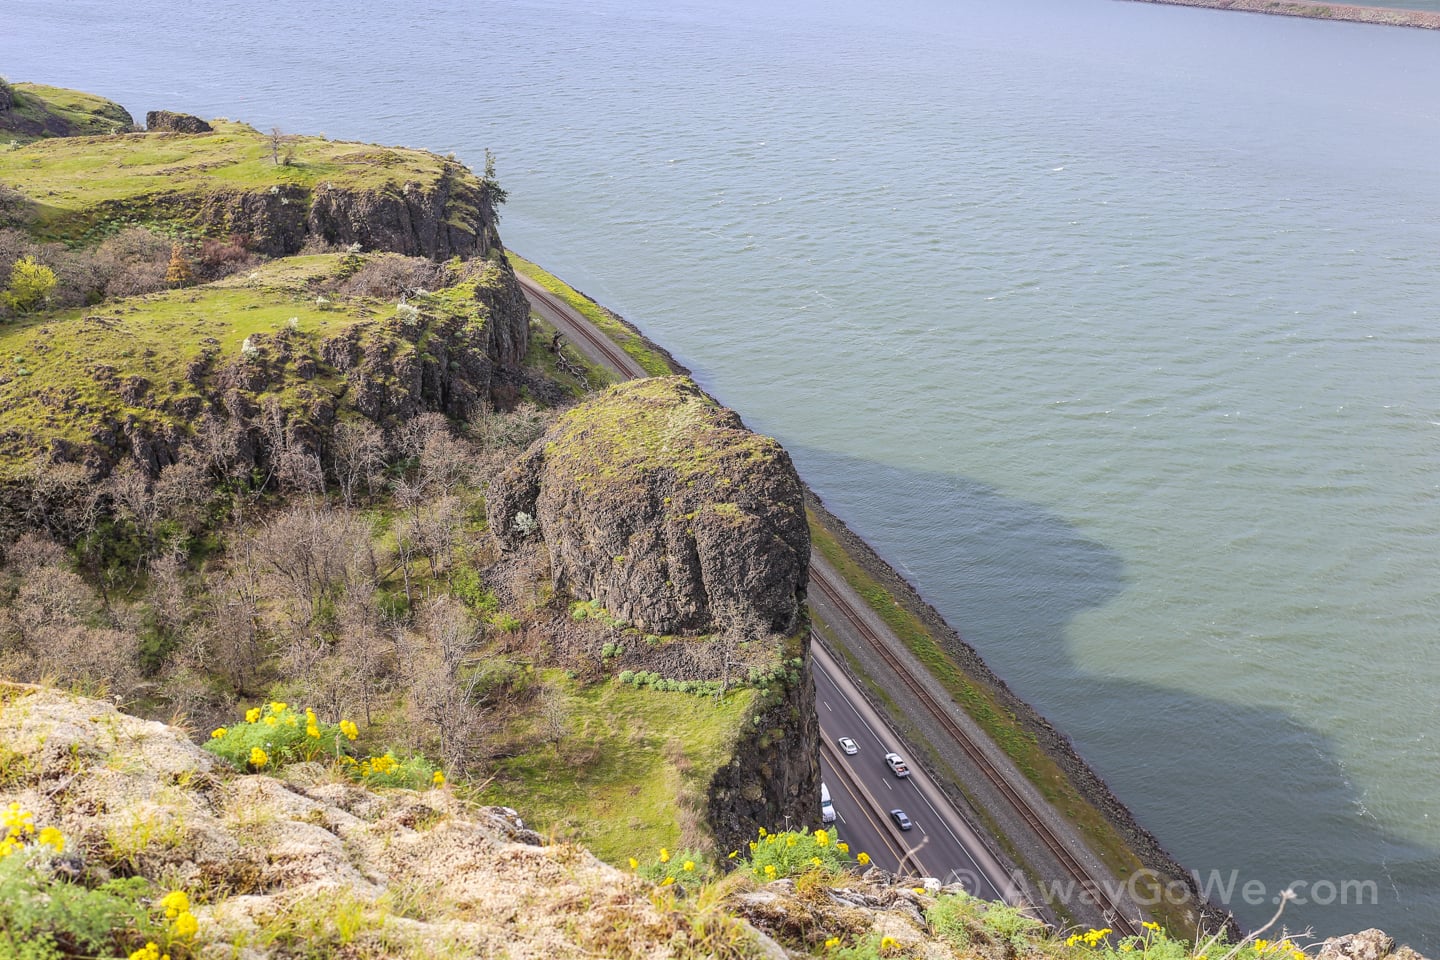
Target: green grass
{"type": "Point", "coordinates": [999, 724]}
{"type": "Point", "coordinates": [64, 391]}
{"type": "Point", "coordinates": [634, 345]}
{"type": "Point", "coordinates": [629, 765]}
{"type": "Point", "coordinates": [84, 113]}
{"type": "Point", "coordinates": [77, 183]}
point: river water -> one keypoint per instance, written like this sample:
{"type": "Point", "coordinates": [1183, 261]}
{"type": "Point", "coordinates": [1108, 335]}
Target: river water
{"type": "Point", "coordinates": [1112, 325]}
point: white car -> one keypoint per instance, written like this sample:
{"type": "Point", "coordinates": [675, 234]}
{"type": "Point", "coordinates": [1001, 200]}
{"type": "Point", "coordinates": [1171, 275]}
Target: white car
{"type": "Point", "coordinates": [897, 765]}
{"type": "Point", "coordinates": [849, 746]}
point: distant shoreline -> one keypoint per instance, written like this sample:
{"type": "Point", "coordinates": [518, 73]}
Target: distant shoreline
{"type": "Point", "coordinates": [1386, 16]}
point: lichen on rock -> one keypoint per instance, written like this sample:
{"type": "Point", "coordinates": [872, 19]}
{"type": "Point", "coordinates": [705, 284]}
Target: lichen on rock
{"type": "Point", "coordinates": [657, 502]}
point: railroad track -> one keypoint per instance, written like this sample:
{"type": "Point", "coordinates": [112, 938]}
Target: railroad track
{"type": "Point", "coordinates": [627, 366]}
{"type": "Point", "coordinates": [1122, 924]}
{"type": "Point", "coordinates": [599, 343]}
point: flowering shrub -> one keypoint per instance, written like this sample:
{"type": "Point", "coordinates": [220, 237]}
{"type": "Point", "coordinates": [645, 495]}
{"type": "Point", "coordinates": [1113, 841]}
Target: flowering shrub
{"type": "Point", "coordinates": [682, 867]}
{"type": "Point", "coordinates": [276, 734]}
{"type": "Point", "coordinates": [46, 918]}
{"type": "Point", "coordinates": [774, 856]}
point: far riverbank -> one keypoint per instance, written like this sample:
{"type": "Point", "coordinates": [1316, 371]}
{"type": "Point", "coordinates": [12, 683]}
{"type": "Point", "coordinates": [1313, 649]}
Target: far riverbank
{"type": "Point", "coordinates": [1386, 16]}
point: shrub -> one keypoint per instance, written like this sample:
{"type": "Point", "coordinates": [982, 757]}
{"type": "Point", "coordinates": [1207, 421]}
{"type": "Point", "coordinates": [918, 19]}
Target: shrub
{"type": "Point", "coordinates": [43, 917]}
{"type": "Point", "coordinates": [273, 735]}
{"type": "Point", "coordinates": [774, 856]}
{"type": "Point", "coordinates": [666, 868]}
{"type": "Point", "coordinates": [30, 285]}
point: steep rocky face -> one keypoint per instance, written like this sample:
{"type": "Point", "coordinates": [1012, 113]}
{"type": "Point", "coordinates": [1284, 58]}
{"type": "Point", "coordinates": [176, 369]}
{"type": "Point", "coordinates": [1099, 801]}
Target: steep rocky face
{"type": "Point", "coordinates": [772, 780]}
{"type": "Point", "coordinates": [164, 121]}
{"type": "Point", "coordinates": [451, 217]}
{"type": "Point", "coordinates": [657, 502]}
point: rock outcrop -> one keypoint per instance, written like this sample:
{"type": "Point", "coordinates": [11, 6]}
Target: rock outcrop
{"type": "Point", "coordinates": [164, 121]}
{"type": "Point", "coordinates": [771, 779]}
{"type": "Point", "coordinates": [451, 217]}
{"type": "Point", "coordinates": [657, 502]}
{"type": "Point", "coordinates": [30, 111]}
{"type": "Point", "coordinates": [1369, 944]}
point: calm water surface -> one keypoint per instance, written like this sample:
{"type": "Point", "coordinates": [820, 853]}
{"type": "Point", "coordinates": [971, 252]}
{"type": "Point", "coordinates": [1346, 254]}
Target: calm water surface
{"type": "Point", "coordinates": [1113, 325]}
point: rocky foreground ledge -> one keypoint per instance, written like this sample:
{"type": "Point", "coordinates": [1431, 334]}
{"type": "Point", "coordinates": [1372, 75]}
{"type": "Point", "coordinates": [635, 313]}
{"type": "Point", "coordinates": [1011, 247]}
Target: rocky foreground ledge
{"type": "Point", "coordinates": [1385, 16]}
{"type": "Point", "coordinates": [212, 862]}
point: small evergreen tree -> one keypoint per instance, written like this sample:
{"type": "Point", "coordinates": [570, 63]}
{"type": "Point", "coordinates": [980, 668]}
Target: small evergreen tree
{"type": "Point", "coordinates": [179, 273]}
{"type": "Point", "coordinates": [30, 285]}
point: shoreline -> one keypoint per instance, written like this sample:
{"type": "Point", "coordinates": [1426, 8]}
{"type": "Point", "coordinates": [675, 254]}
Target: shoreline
{"type": "Point", "coordinates": [1314, 10]}
{"type": "Point", "coordinates": [1092, 789]}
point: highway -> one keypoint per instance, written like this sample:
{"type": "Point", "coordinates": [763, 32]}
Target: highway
{"type": "Point", "coordinates": [942, 843]}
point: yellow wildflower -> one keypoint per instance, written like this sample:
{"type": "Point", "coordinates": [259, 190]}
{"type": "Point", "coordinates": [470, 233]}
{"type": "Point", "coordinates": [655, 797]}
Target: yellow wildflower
{"type": "Point", "coordinates": [252, 715]}
{"type": "Point", "coordinates": [862, 858]}
{"type": "Point", "coordinates": [277, 707]}
{"type": "Point", "coordinates": [732, 854]}
{"type": "Point", "coordinates": [634, 864]}
{"type": "Point", "coordinates": [290, 720]}
{"type": "Point", "coordinates": [1126, 947]}
{"type": "Point", "coordinates": [51, 837]}
{"type": "Point", "coordinates": [762, 831]}
{"type": "Point", "coordinates": [271, 721]}
{"type": "Point", "coordinates": [17, 821]}
{"type": "Point", "coordinates": [175, 903]}
{"type": "Point", "coordinates": [664, 855]}
{"type": "Point", "coordinates": [258, 757]}
{"type": "Point", "coordinates": [832, 943]}
{"type": "Point", "coordinates": [888, 943]}
{"type": "Point", "coordinates": [218, 732]}
{"type": "Point", "coordinates": [186, 925]}
{"type": "Point", "coordinates": [151, 951]}
{"type": "Point", "coordinates": [790, 840]}
{"type": "Point", "coordinates": [437, 778]}
{"type": "Point", "coordinates": [822, 838]}
{"type": "Point", "coordinates": [689, 866]}
{"type": "Point", "coordinates": [312, 731]}
{"type": "Point", "coordinates": [769, 869]}
{"type": "Point", "coordinates": [667, 881]}
{"type": "Point", "coordinates": [1261, 946]}
{"type": "Point", "coordinates": [348, 728]}
{"type": "Point", "coordinates": [1150, 925]}
{"type": "Point", "coordinates": [754, 846]}
{"type": "Point", "coordinates": [843, 847]}
{"type": "Point", "coordinates": [1073, 939]}
{"type": "Point", "coordinates": [815, 861]}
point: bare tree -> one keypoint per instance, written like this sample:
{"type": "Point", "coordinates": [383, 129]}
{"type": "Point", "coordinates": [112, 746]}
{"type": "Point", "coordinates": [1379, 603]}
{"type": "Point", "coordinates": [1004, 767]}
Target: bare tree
{"type": "Point", "coordinates": [358, 454]}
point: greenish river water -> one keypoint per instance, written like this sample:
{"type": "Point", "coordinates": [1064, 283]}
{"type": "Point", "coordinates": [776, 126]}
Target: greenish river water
{"type": "Point", "coordinates": [1112, 325]}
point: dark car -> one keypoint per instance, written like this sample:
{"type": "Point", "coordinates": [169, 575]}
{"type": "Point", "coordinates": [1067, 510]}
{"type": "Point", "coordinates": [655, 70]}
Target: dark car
{"type": "Point", "coordinates": [901, 820]}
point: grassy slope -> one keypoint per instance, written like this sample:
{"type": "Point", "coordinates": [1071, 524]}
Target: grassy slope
{"type": "Point", "coordinates": [69, 179]}
{"type": "Point", "coordinates": [84, 114]}
{"type": "Point", "coordinates": [653, 363]}
{"type": "Point", "coordinates": [59, 395]}
{"type": "Point", "coordinates": [631, 764]}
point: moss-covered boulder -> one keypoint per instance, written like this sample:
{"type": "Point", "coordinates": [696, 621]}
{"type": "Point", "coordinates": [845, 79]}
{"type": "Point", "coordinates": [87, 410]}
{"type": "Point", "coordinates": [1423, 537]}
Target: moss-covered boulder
{"type": "Point", "coordinates": [656, 501]}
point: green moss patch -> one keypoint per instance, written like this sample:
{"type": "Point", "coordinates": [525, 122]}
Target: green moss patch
{"type": "Point", "coordinates": [627, 756]}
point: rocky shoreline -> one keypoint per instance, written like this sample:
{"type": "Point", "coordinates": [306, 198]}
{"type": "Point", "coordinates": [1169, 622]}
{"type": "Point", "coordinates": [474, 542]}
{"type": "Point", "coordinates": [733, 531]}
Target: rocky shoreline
{"type": "Point", "coordinates": [1144, 844]}
{"type": "Point", "coordinates": [1385, 16]}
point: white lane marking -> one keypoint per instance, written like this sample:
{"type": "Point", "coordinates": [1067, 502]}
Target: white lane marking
{"type": "Point", "coordinates": [827, 704]}
{"type": "Point", "coordinates": [887, 784]}
{"type": "Point", "coordinates": [958, 842]}
{"type": "Point", "coordinates": [821, 670]}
